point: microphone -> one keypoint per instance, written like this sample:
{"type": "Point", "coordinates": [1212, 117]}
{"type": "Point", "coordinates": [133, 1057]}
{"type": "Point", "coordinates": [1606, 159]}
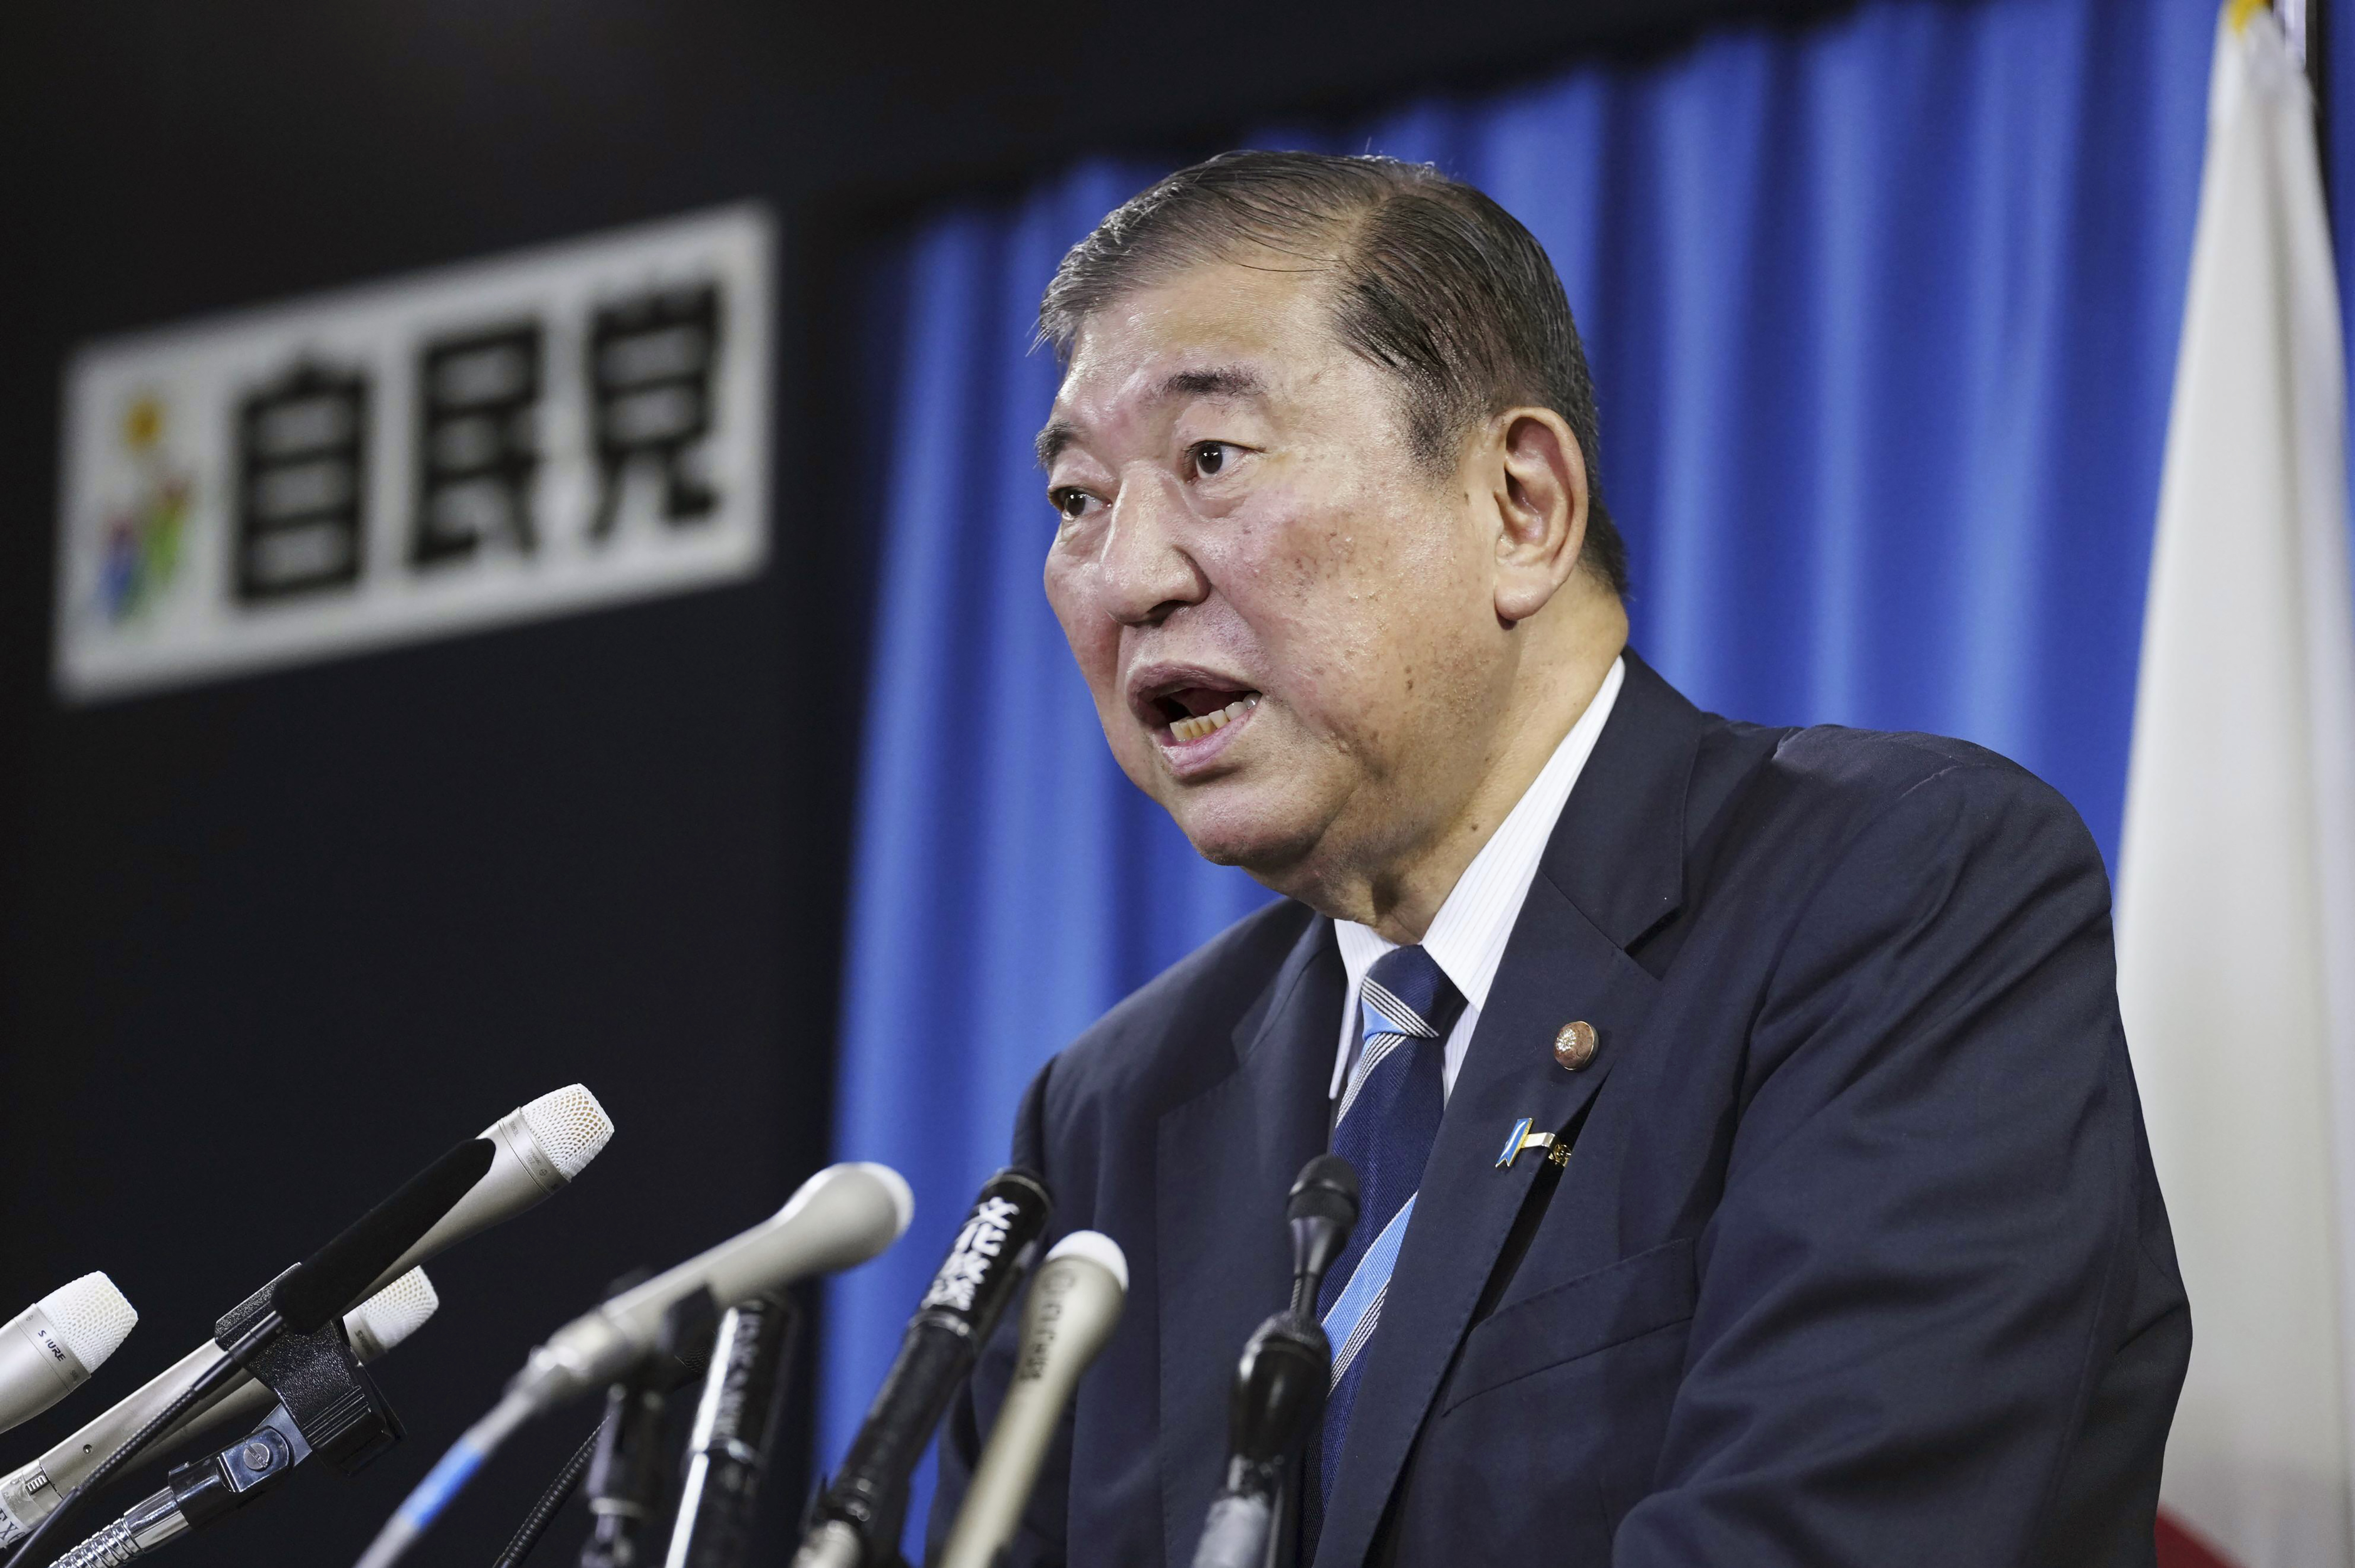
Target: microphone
{"type": "Point", "coordinates": [860, 1512]}
{"type": "Point", "coordinates": [1280, 1384]}
{"type": "Point", "coordinates": [536, 1148]}
{"type": "Point", "coordinates": [195, 1495]}
{"type": "Point", "coordinates": [50, 1347]}
{"type": "Point", "coordinates": [1071, 1310]}
{"type": "Point", "coordinates": [28, 1493]}
{"type": "Point", "coordinates": [298, 1303]}
{"type": "Point", "coordinates": [374, 1327]}
{"type": "Point", "coordinates": [1322, 1212]}
{"type": "Point", "coordinates": [729, 1447]}
{"type": "Point", "coordinates": [842, 1216]}
{"type": "Point", "coordinates": [1278, 1394]}
{"type": "Point", "coordinates": [688, 1356]}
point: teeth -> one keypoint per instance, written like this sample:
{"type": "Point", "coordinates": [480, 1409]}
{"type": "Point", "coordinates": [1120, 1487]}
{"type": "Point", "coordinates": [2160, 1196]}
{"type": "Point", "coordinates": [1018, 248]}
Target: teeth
{"type": "Point", "coordinates": [1195, 729]}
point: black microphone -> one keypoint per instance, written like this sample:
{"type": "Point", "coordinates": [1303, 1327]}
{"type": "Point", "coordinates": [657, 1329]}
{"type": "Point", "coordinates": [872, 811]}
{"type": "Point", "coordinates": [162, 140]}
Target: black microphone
{"type": "Point", "coordinates": [1281, 1383]}
{"type": "Point", "coordinates": [1278, 1394]}
{"type": "Point", "coordinates": [301, 1301]}
{"type": "Point", "coordinates": [743, 1405]}
{"type": "Point", "coordinates": [1323, 1210]}
{"type": "Point", "coordinates": [857, 1519]}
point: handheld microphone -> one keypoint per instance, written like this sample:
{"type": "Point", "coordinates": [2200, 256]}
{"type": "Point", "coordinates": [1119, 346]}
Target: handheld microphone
{"type": "Point", "coordinates": [859, 1513]}
{"type": "Point", "coordinates": [1073, 1307]}
{"type": "Point", "coordinates": [298, 1303]}
{"type": "Point", "coordinates": [537, 1148]}
{"type": "Point", "coordinates": [842, 1216]}
{"type": "Point", "coordinates": [195, 1495]}
{"type": "Point", "coordinates": [50, 1347]}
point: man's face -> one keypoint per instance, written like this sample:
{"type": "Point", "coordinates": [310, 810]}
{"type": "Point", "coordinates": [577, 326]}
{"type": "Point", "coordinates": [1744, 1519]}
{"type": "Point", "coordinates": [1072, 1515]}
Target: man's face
{"type": "Point", "coordinates": [1289, 628]}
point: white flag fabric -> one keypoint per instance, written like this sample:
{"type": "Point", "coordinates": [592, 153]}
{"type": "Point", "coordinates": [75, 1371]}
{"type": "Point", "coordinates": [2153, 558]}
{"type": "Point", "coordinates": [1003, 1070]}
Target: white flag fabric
{"type": "Point", "coordinates": [2236, 907]}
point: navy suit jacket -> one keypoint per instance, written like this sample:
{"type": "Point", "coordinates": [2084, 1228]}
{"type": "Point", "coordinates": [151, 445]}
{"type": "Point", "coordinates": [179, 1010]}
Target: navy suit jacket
{"type": "Point", "coordinates": [1859, 1258]}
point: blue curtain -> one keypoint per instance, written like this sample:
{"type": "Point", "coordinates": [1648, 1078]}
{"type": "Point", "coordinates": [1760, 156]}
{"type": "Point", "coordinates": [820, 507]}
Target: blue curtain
{"type": "Point", "coordinates": [1884, 313]}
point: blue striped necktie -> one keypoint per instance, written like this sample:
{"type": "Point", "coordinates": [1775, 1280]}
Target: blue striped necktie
{"type": "Point", "coordinates": [1388, 1121]}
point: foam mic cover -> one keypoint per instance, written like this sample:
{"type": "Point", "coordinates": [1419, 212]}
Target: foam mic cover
{"type": "Point", "coordinates": [322, 1285]}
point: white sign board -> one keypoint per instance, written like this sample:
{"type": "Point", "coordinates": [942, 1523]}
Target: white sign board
{"type": "Point", "coordinates": [545, 432]}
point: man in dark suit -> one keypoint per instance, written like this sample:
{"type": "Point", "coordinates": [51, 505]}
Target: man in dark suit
{"type": "Point", "coordinates": [1837, 1242]}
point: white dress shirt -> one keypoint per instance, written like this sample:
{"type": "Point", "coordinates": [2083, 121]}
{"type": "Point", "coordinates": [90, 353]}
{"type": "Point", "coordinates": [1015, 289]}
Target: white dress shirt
{"type": "Point", "coordinates": [1468, 937]}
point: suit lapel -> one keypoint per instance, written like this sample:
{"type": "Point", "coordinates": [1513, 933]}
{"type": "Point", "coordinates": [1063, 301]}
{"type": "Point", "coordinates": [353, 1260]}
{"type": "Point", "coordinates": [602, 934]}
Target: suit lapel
{"type": "Point", "coordinates": [1224, 1163]}
{"type": "Point", "coordinates": [1613, 870]}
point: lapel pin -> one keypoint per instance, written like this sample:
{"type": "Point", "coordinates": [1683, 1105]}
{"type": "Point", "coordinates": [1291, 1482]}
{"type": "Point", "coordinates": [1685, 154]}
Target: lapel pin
{"type": "Point", "coordinates": [1521, 1138]}
{"type": "Point", "coordinates": [1573, 1044]}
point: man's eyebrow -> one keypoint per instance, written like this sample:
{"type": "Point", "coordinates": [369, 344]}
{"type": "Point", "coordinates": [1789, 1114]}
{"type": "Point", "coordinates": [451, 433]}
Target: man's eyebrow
{"type": "Point", "coordinates": [1058, 434]}
{"type": "Point", "coordinates": [1228, 381]}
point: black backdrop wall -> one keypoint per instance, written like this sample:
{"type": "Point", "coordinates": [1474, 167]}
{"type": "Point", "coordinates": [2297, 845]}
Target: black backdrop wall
{"type": "Point", "coordinates": [267, 944]}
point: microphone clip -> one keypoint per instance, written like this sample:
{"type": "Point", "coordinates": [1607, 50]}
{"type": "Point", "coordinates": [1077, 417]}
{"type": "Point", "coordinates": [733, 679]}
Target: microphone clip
{"type": "Point", "coordinates": [329, 1399]}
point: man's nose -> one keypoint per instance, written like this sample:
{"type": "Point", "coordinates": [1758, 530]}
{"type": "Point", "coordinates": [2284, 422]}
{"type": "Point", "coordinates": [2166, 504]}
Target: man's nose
{"type": "Point", "coordinates": [1146, 574]}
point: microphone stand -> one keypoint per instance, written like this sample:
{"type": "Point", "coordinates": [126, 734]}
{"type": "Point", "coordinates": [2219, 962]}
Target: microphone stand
{"type": "Point", "coordinates": [626, 1474]}
{"type": "Point", "coordinates": [728, 1448]}
{"type": "Point", "coordinates": [1278, 1396]}
{"type": "Point", "coordinates": [1320, 1210]}
{"type": "Point", "coordinates": [1283, 1525]}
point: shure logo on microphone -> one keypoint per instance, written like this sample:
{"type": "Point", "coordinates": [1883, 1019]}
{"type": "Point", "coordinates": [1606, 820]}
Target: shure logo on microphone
{"type": "Point", "coordinates": [48, 1342]}
{"type": "Point", "coordinates": [978, 1246]}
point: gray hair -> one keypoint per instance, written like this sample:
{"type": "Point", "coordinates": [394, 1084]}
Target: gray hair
{"type": "Point", "coordinates": [1432, 281]}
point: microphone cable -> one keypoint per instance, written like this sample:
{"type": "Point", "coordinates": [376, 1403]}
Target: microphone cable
{"type": "Point", "coordinates": [231, 1363]}
{"type": "Point", "coordinates": [552, 1500]}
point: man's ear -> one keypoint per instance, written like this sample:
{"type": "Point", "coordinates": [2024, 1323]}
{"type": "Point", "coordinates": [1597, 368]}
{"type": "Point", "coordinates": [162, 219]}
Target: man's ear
{"type": "Point", "coordinates": [1540, 476]}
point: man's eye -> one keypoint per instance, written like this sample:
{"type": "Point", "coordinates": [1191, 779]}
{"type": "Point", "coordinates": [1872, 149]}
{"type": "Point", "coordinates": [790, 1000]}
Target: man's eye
{"type": "Point", "coordinates": [1210, 458]}
{"type": "Point", "coordinates": [1073, 503]}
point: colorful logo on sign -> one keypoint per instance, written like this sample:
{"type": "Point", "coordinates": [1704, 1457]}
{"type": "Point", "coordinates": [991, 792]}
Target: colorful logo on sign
{"type": "Point", "coordinates": [142, 549]}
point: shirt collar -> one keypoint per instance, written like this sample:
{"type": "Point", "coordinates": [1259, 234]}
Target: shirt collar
{"type": "Point", "coordinates": [1468, 937]}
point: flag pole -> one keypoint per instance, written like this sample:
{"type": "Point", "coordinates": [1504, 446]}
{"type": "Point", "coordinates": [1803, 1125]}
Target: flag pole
{"type": "Point", "coordinates": [2316, 37]}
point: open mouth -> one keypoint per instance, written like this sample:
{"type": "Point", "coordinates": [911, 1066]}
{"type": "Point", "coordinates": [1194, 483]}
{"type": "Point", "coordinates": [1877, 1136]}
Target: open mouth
{"type": "Point", "coordinates": [1192, 711]}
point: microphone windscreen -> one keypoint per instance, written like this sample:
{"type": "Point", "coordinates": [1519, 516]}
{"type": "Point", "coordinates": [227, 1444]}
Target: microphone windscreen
{"type": "Point", "coordinates": [322, 1285]}
{"type": "Point", "coordinates": [91, 1316]}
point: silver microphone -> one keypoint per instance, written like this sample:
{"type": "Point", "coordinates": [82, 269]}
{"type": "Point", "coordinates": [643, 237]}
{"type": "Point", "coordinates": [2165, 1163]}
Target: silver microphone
{"type": "Point", "coordinates": [29, 1494]}
{"type": "Point", "coordinates": [50, 1347]}
{"type": "Point", "coordinates": [374, 1327]}
{"type": "Point", "coordinates": [538, 1149]}
{"type": "Point", "coordinates": [842, 1216]}
{"type": "Point", "coordinates": [1073, 1306]}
